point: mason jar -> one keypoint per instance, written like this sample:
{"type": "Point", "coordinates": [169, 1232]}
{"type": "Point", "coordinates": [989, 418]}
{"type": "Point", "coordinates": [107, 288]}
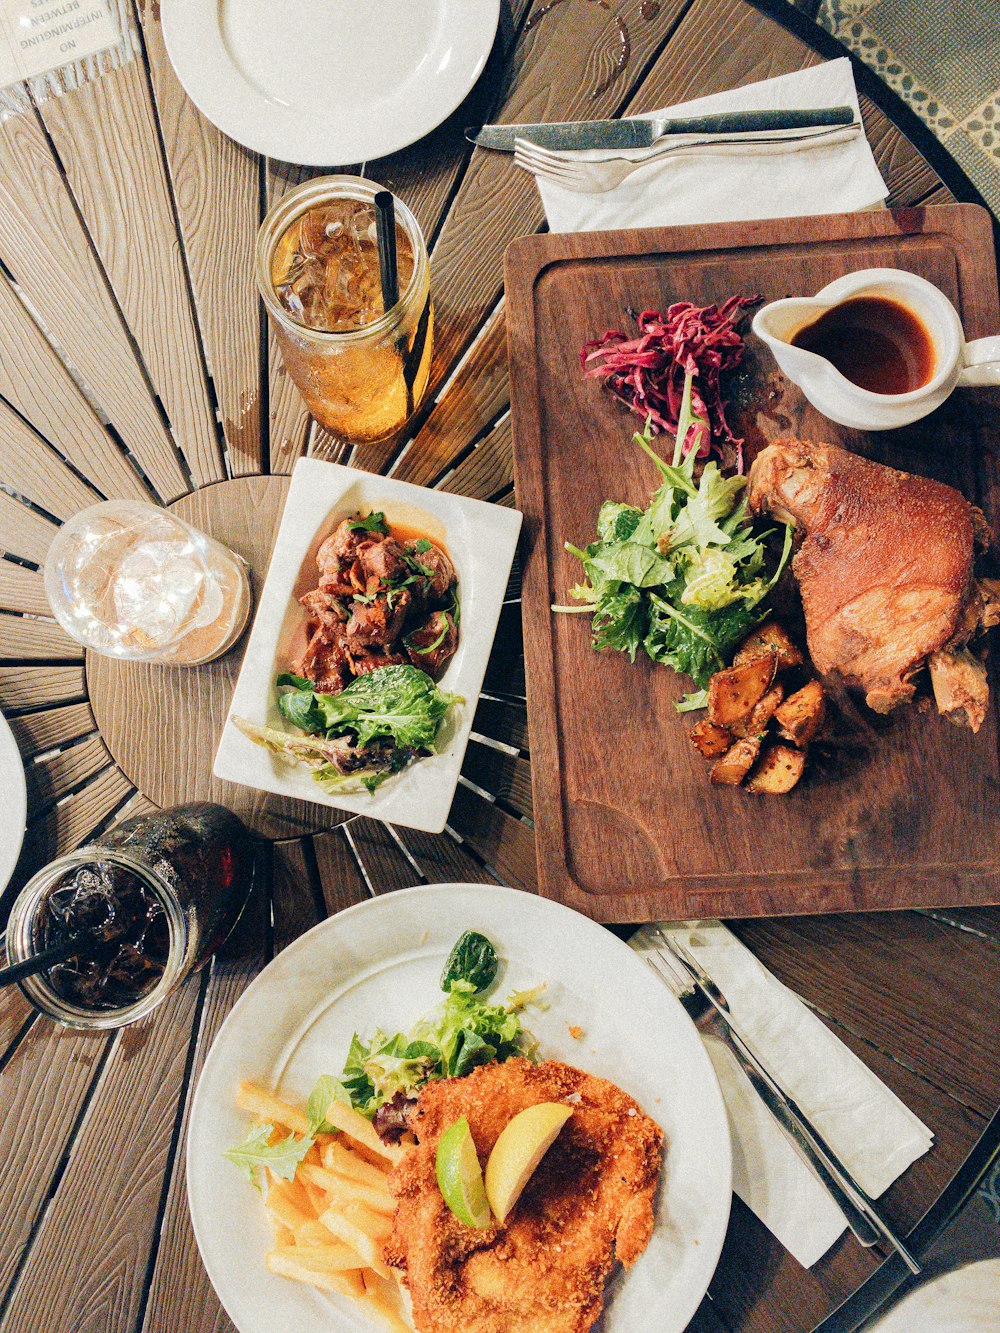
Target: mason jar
{"type": "Point", "coordinates": [361, 369]}
{"type": "Point", "coordinates": [155, 896]}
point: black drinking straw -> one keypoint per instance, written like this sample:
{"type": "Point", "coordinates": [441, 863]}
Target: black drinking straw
{"type": "Point", "coordinates": [385, 230]}
{"type": "Point", "coordinates": [40, 962]}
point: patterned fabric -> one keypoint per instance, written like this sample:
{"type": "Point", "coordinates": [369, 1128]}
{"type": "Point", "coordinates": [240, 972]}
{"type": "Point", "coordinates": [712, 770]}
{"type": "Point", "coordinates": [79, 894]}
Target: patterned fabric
{"type": "Point", "coordinates": [940, 56]}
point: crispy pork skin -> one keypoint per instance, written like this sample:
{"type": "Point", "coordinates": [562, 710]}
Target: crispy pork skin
{"type": "Point", "coordinates": [885, 569]}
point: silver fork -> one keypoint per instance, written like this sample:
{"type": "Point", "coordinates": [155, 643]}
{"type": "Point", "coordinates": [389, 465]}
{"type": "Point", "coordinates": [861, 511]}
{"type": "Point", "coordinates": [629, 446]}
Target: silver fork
{"type": "Point", "coordinates": [599, 177]}
{"type": "Point", "coordinates": [702, 999]}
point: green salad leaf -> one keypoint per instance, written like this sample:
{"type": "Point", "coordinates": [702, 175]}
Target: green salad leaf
{"type": "Point", "coordinates": [327, 1090]}
{"type": "Point", "coordinates": [463, 1031]}
{"type": "Point", "coordinates": [255, 1151]}
{"type": "Point", "coordinates": [684, 580]}
{"type": "Point", "coordinates": [399, 702]}
{"type": "Point", "coordinates": [472, 964]}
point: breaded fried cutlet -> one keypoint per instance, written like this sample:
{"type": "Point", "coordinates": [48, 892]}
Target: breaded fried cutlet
{"type": "Point", "coordinates": [588, 1204]}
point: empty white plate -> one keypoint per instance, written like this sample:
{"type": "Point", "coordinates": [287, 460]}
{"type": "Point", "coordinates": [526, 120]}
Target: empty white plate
{"type": "Point", "coordinates": [325, 82]}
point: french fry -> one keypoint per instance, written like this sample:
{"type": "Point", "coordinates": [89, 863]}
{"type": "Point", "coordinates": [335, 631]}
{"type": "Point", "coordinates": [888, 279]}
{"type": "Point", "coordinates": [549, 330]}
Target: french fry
{"type": "Point", "coordinates": [259, 1102]}
{"type": "Point", "coordinates": [339, 1189]}
{"type": "Point", "coordinates": [347, 1283]}
{"type": "Point", "coordinates": [333, 1257]}
{"type": "Point", "coordinates": [363, 1235]}
{"type": "Point", "coordinates": [283, 1235]}
{"type": "Point", "coordinates": [318, 1200]}
{"type": "Point", "coordinates": [335, 1157]}
{"type": "Point", "coordinates": [378, 1305]}
{"type": "Point", "coordinates": [310, 1234]}
{"type": "Point", "coordinates": [356, 1127]}
{"type": "Point", "coordinates": [286, 1208]}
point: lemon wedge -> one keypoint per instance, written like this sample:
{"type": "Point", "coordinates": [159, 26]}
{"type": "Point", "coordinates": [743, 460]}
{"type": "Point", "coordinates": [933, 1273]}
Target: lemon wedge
{"type": "Point", "coordinates": [518, 1150]}
{"type": "Point", "coordinates": [460, 1177]}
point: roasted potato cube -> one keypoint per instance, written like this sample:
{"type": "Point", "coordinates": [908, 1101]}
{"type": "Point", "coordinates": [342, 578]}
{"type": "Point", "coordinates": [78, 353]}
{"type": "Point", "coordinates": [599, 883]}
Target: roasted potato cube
{"type": "Point", "coordinates": [710, 740]}
{"type": "Point", "coordinates": [732, 768]}
{"type": "Point", "coordinates": [778, 771]}
{"type": "Point", "coordinates": [769, 638]}
{"type": "Point", "coordinates": [755, 723]}
{"type": "Point", "coordinates": [732, 693]}
{"type": "Point", "coordinates": [802, 714]}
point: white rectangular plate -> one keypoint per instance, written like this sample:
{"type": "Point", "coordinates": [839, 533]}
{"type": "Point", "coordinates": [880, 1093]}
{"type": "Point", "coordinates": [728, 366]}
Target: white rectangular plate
{"type": "Point", "coordinates": [480, 538]}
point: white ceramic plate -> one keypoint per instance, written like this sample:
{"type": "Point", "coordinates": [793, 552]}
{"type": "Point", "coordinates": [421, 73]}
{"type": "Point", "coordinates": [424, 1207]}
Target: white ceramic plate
{"type": "Point", "coordinates": [15, 802]}
{"type": "Point", "coordinates": [481, 539]}
{"type": "Point", "coordinates": [324, 82]}
{"type": "Point", "coordinates": [378, 965]}
{"type": "Point", "coordinates": [966, 1300]}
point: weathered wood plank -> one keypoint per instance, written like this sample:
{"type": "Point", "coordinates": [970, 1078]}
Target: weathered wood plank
{"type": "Point", "coordinates": [501, 721]}
{"type": "Point", "coordinates": [97, 1282]}
{"type": "Point", "coordinates": [68, 823]}
{"type": "Point", "coordinates": [442, 860]}
{"type": "Point", "coordinates": [32, 469]}
{"type": "Point", "coordinates": [22, 590]}
{"type": "Point", "coordinates": [505, 776]}
{"type": "Point", "coordinates": [106, 136]}
{"type": "Point", "coordinates": [424, 175]}
{"type": "Point", "coordinates": [295, 897]}
{"type": "Point", "coordinates": [42, 1091]}
{"type": "Point", "coordinates": [506, 844]}
{"type": "Point", "coordinates": [181, 1296]}
{"type": "Point", "coordinates": [50, 779]}
{"type": "Point", "coordinates": [23, 532]}
{"type": "Point", "coordinates": [216, 187]}
{"type": "Point", "coordinates": [15, 1011]}
{"type": "Point", "coordinates": [559, 72]}
{"type": "Point", "coordinates": [45, 247]}
{"type": "Point", "coordinates": [342, 883]}
{"type": "Point", "coordinates": [25, 640]}
{"type": "Point", "coordinates": [35, 381]}
{"type": "Point", "coordinates": [37, 733]}
{"type": "Point", "coordinates": [480, 390]}
{"type": "Point", "coordinates": [26, 688]}
{"type": "Point", "coordinates": [488, 470]}
{"type": "Point", "coordinates": [383, 861]}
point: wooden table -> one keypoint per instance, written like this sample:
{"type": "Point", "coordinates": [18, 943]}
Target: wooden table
{"type": "Point", "coordinates": [126, 230]}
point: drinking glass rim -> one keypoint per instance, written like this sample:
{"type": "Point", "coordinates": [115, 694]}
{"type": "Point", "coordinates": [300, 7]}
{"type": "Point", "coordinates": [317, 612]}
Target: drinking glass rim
{"type": "Point", "coordinates": [19, 947]}
{"type": "Point", "coordinates": [290, 206]}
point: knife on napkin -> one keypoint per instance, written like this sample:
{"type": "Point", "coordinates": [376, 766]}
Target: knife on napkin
{"type": "Point", "coordinates": [643, 131]}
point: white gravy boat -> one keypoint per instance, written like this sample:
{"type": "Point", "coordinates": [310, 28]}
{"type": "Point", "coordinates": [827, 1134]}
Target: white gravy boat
{"type": "Point", "coordinates": [956, 362]}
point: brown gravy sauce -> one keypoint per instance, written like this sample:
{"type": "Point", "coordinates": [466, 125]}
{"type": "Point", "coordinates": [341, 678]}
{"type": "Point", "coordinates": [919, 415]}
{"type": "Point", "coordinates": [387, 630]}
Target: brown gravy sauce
{"type": "Point", "coordinates": [874, 342]}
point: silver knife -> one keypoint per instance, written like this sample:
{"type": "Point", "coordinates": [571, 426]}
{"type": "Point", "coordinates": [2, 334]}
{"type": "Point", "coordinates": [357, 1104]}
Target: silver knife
{"type": "Point", "coordinates": [643, 131]}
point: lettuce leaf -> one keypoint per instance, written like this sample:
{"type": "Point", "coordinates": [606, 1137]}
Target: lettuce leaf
{"type": "Point", "coordinates": [255, 1151]}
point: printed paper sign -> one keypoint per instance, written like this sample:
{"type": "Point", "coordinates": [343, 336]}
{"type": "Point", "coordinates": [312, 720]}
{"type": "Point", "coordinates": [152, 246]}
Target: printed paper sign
{"type": "Point", "coordinates": [39, 35]}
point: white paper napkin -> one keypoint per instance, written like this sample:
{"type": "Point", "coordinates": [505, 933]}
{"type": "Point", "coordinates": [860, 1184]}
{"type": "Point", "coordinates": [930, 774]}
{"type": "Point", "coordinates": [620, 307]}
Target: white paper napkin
{"type": "Point", "coordinates": [875, 1135]}
{"type": "Point", "coordinates": [835, 178]}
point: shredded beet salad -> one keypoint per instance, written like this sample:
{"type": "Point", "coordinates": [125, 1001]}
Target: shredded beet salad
{"type": "Point", "coordinates": [647, 373]}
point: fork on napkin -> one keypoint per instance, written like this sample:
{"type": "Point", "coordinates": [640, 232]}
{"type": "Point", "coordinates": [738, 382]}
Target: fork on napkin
{"type": "Point", "coordinates": [864, 1122]}
{"type": "Point", "coordinates": [742, 182]}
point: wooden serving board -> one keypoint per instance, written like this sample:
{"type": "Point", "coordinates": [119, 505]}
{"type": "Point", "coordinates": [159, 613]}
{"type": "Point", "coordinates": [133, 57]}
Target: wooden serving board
{"type": "Point", "coordinates": [628, 826]}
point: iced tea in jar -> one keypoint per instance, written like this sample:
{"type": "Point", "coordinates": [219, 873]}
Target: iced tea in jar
{"type": "Point", "coordinates": [362, 369]}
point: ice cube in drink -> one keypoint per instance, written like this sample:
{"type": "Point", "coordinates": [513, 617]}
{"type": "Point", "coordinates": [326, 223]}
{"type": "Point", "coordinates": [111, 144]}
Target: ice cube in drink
{"type": "Point", "coordinates": [325, 267]}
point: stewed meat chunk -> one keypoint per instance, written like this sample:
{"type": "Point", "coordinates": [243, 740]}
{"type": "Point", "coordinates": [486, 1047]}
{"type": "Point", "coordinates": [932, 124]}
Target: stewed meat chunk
{"type": "Point", "coordinates": [380, 601]}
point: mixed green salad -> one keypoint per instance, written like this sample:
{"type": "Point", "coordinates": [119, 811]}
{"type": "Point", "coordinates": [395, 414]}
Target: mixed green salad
{"type": "Point", "coordinates": [356, 739]}
{"type": "Point", "coordinates": [382, 1076]}
{"type": "Point", "coordinates": [685, 579]}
